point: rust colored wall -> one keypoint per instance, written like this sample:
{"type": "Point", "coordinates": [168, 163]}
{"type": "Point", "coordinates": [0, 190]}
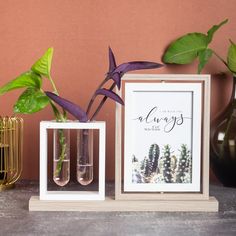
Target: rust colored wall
{"type": "Point", "coordinates": [80, 32]}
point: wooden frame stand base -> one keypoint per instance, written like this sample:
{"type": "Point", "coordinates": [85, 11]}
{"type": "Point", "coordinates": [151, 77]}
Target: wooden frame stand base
{"type": "Point", "coordinates": [110, 204]}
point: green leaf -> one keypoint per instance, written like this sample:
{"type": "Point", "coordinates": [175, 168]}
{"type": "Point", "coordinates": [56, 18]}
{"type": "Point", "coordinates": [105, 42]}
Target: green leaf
{"type": "Point", "coordinates": [204, 56]}
{"type": "Point", "coordinates": [231, 58]}
{"type": "Point", "coordinates": [185, 49]}
{"type": "Point", "coordinates": [27, 79]}
{"type": "Point", "coordinates": [43, 65]}
{"type": "Point", "coordinates": [31, 100]}
{"type": "Point", "coordinates": [213, 29]}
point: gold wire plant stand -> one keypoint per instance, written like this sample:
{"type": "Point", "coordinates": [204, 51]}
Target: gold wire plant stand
{"type": "Point", "coordinates": [11, 147]}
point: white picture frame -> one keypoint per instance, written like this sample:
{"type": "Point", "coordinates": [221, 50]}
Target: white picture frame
{"type": "Point", "coordinates": [199, 87]}
{"type": "Point", "coordinates": [167, 114]}
{"type": "Point", "coordinates": [44, 193]}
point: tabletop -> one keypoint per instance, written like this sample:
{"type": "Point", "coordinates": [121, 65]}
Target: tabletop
{"type": "Point", "coordinates": [15, 219]}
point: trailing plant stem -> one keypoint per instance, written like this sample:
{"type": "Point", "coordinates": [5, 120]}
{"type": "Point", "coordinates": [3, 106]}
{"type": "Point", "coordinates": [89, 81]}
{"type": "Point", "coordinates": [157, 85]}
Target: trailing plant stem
{"type": "Point", "coordinates": [94, 95]}
{"type": "Point", "coordinates": [62, 142]}
{"type": "Point", "coordinates": [63, 153]}
{"type": "Point", "coordinates": [102, 102]}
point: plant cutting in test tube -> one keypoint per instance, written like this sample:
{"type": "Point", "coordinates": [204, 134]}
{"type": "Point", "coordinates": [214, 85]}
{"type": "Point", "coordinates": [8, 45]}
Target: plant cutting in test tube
{"type": "Point", "coordinates": [34, 98]}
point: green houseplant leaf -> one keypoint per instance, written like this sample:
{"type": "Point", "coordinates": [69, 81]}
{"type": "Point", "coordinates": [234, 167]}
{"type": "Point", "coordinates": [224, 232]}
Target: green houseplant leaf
{"type": "Point", "coordinates": [204, 56]}
{"type": "Point", "coordinates": [27, 79]}
{"type": "Point", "coordinates": [30, 101]}
{"type": "Point", "coordinates": [231, 58]}
{"type": "Point", "coordinates": [213, 29]}
{"type": "Point", "coordinates": [185, 49]}
{"type": "Point", "coordinates": [190, 46]}
{"type": "Point", "coordinates": [43, 65]}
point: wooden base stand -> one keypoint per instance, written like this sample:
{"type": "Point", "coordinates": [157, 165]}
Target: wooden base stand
{"type": "Point", "coordinates": [110, 204]}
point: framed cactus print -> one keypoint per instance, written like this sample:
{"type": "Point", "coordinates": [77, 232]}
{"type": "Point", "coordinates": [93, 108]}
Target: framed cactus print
{"type": "Point", "coordinates": [160, 147]}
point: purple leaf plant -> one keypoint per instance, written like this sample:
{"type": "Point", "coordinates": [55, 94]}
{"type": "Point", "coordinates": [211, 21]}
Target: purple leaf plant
{"type": "Point", "coordinates": [114, 73]}
{"type": "Point", "coordinates": [72, 108]}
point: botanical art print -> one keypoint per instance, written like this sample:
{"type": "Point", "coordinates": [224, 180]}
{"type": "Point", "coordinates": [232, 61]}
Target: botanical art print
{"type": "Point", "coordinates": [162, 137]}
{"type": "Point", "coordinates": [167, 166]}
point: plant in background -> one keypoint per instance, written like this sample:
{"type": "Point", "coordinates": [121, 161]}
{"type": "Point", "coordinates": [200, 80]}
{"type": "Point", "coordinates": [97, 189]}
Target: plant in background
{"type": "Point", "coordinates": [34, 98]}
{"type": "Point", "coordinates": [183, 164]}
{"type": "Point", "coordinates": [191, 46]}
{"type": "Point", "coordinates": [185, 50]}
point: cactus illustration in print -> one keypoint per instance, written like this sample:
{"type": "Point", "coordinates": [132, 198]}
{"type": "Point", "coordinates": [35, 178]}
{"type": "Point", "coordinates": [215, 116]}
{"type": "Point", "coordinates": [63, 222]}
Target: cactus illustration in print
{"type": "Point", "coordinates": [167, 173]}
{"type": "Point", "coordinates": [137, 177]}
{"type": "Point", "coordinates": [147, 167]}
{"type": "Point", "coordinates": [154, 153]}
{"type": "Point", "coordinates": [168, 166]}
{"type": "Point", "coordinates": [184, 164]}
{"type": "Point", "coordinates": [189, 163]}
{"type": "Point", "coordinates": [134, 159]}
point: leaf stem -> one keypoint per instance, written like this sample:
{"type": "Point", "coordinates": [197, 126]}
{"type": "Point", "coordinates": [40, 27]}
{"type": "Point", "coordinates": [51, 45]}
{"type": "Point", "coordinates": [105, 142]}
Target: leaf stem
{"type": "Point", "coordinates": [53, 85]}
{"type": "Point", "coordinates": [102, 102]}
{"type": "Point", "coordinates": [55, 111]}
{"type": "Point", "coordinates": [63, 116]}
{"type": "Point", "coordinates": [94, 95]}
{"type": "Point", "coordinates": [59, 118]}
{"type": "Point", "coordinates": [220, 58]}
{"type": "Point", "coordinates": [63, 145]}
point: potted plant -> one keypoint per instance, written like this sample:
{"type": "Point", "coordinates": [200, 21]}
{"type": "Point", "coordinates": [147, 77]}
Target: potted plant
{"type": "Point", "coordinates": [34, 99]}
{"type": "Point", "coordinates": [185, 50]}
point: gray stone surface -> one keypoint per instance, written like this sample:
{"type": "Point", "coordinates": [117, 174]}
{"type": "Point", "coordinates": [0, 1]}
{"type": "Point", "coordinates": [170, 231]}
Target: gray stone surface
{"type": "Point", "coordinates": [15, 219]}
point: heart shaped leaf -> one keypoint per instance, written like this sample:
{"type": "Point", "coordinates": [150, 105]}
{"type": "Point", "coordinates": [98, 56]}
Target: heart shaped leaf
{"type": "Point", "coordinates": [212, 31]}
{"type": "Point", "coordinates": [204, 56]}
{"type": "Point", "coordinates": [231, 58]}
{"type": "Point", "coordinates": [110, 94]}
{"type": "Point", "coordinates": [31, 100]}
{"type": "Point", "coordinates": [72, 108]}
{"type": "Point", "coordinates": [43, 65]}
{"type": "Point", "coordinates": [27, 79]}
{"type": "Point", "coordinates": [185, 49]}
